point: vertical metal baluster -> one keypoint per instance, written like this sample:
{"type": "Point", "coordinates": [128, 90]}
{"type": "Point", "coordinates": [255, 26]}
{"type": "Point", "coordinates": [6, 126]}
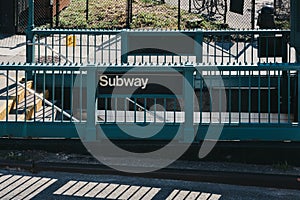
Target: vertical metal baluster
{"type": "Point", "coordinates": [207, 50]}
{"type": "Point", "coordinates": [80, 50]}
{"type": "Point", "coordinates": [245, 50]}
{"type": "Point", "coordinates": [165, 109]}
{"type": "Point", "coordinates": [109, 61]}
{"type": "Point", "coordinates": [116, 108]}
{"type": "Point", "coordinates": [210, 97]}
{"type": "Point", "coordinates": [116, 49]}
{"type": "Point", "coordinates": [237, 48]}
{"type": "Point", "coordinates": [7, 97]}
{"type": "Point", "coordinates": [222, 50]}
{"type": "Point", "coordinates": [145, 107]}
{"type": "Point", "coordinates": [71, 95]}
{"type": "Point", "coordinates": [74, 48]}
{"type": "Point", "coordinates": [259, 97]}
{"type": "Point", "coordinates": [102, 49]}
{"type": "Point", "coordinates": [230, 98]}
{"type": "Point", "coordinates": [44, 88]}
{"type": "Point", "coordinates": [17, 96]}
{"type": "Point", "coordinates": [252, 49]}
{"type": "Point", "coordinates": [125, 110]}
{"type": "Point", "coordinates": [53, 94]}
{"type": "Point", "coordinates": [25, 97]}
{"type": "Point", "coordinates": [155, 110]}
{"type": "Point", "coordinates": [34, 96]}
{"type": "Point", "coordinates": [62, 94]}
{"type": "Point", "coordinates": [215, 50]}
{"type": "Point", "coordinates": [174, 107]}
{"type": "Point", "coordinates": [135, 99]}
{"type": "Point", "coordinates": [220, 103]}
{"type": "Point", "coordinates": [67, 50]}
{"type": "Point", "coordinates": [39, 48]}
{"type": "Point", "coordinates": [80, 95]}
{"type": "Point", "coordinates": [289, 96]}
{"type": "Point", "coordinates": [240, 97]}
{"type": "Point", "coordinates": [59, 47]}
{"type": "Point", "coordinates": [201, 99]}
{"type": "Point", "coordinates": [52, 45]}
{"type": "Point", "coordinates": [105, 105]}
{"type": "Point", "coordinates": [46, 52]}
{"type": "Point", "coordinates": [95, 49]}
{"type": "Point", "coordinates": [229, 49]}
{"type": "Point", "coordinates": [278, 98]}
{"type": "Point", "coordinates": [269, 97]}
{"type": "Point", "coordinates": [88, 48]}
{"type": "Point", "coordinates": [249, 96]}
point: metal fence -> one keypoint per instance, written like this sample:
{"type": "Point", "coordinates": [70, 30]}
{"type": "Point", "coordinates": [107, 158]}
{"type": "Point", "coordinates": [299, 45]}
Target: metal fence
{"type": "Point", "coordinates": [262, 101]}
{"type": "Point", "coordinates": [218, 47]}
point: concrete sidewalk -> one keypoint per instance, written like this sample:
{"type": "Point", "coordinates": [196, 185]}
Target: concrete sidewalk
{"type": "Point", "coordinates": [12, 48]}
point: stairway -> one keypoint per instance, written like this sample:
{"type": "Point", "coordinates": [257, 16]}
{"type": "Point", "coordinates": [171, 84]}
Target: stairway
{"type": "Point", "coordinates": [18, 105]}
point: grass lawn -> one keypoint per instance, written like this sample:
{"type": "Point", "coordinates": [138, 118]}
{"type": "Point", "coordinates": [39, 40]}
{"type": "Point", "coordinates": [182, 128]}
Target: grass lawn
{"type": "Point", "coordinates": [147, 14]}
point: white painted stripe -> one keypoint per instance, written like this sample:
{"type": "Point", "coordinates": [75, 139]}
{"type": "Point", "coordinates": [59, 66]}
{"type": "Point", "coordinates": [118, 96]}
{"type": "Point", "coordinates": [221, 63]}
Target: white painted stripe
{"type": "Point", "coordinates": [192, 196]}
{"type": "Point", "coordinates": [8, 182]}
{"type": "Point", "coordinates": [5, 177]}
{"type": "Point", "coordinates": [128, 193]}
{"type": "Point", "coordinates": [65, 187]}
{"type": "Point", "coordinates": [215, 197]}
{"type": "Point", "coordinates": [31, 189]}
{"type": "Point", "coordinates": [75, 188]}
{"type": "Point", "coordinates": [14, 185]}
{"type": "Point", "coordinates": [43, 187]}
{"type": "Point", "coordinates": [140, 193]}
{"type": "Point", "coordinates": [151, 193]}
{"type": "Point", "coordinates": [203, 196]}
{"type": "Point", "coordinates": [21, 188]}
{"type": "Point", "coordinates": [118, 192]}
{"type": "Point", "coordinates": [182, 194]}
{"type": "Point", "coordinates": [172, 195]}
{"type": "Point", "coordinates": [96, 190]}
{"type": "Point", "coordinates": [107, 190]}
{"type": "Point", "coordinates": [85, 189]}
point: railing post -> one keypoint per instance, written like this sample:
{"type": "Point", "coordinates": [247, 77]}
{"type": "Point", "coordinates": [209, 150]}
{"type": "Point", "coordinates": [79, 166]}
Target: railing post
{"type": "Point", "coordinates": [124, 48]}
{"type": "Point", "coordinates": [91, 104]}
{"type": "Point", "coordinates": [198, 41]}
{"type": "Point", "coordinates": [188, 90]}
{"type": "Point", "coordinates": [29, 34]}
{"type": "Point", "coordinates": [298, 97]}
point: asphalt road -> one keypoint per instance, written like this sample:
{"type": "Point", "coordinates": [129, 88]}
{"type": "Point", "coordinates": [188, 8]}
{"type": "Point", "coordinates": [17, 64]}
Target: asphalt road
{"type": "Point", "coordinates": [49, 185]}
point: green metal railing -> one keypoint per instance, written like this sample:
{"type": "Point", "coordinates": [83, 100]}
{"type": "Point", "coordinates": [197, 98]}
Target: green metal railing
{"type": "Point", "coordinates": [262, 101]}
{"type": "Point", "coordinates": [218, 47]}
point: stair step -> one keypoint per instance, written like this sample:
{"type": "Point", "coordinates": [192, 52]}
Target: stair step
{"type": "Point", "coordinates": [31, 107]}
{"type": "Point", "coordinates": [45, 115]}
{"type": "Point", "coordinates": [8, 98]}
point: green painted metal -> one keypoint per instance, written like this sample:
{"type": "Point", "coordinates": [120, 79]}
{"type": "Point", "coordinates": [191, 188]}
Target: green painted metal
{"type": "Point", "coordinates": [29, 34]}
{"type": "Point", "coordinates": [266, 82]}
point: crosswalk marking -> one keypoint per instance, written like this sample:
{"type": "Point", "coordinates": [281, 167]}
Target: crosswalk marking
{"type": "Point", "coordinates": [96, 190]}
{"type": "Point", "coordinates": [151, 193]}
{"type": "Point", "coordinates": [172, 195]}
{"type": "Point", "coordinates": [21, 188]}
{"type": "Point", "coordinates": [44, 186]}
{"type": "Point", "coordinates": [128, 193]}
{"type": "Point", "coordinates": [9, 181]}
{"type": "Point", "coordinates": [3, 178]}
{"type": "Point", "coordinates": [214, 197]}
{"type": "Point", "coordinates": [140, 193]}
{"type": "Point", "coordinates": [13, 185]}
{"type": "Point", "coordinates": [115, 194]}
{"type": "Point", "coordinates": [75, 188]}
{"type": "Point", "coordinates": [31, 189]}
{"type": "Point", "coordinates": [65, 187]}
{"type": "Point", "coordinates": [85, 189]}
{"type": "Point", "coordinates": [182, 194]}
{"type": "Point", "coordinates": [104, 193]}
{"type": "Point", "coordinates": [192, 196]}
